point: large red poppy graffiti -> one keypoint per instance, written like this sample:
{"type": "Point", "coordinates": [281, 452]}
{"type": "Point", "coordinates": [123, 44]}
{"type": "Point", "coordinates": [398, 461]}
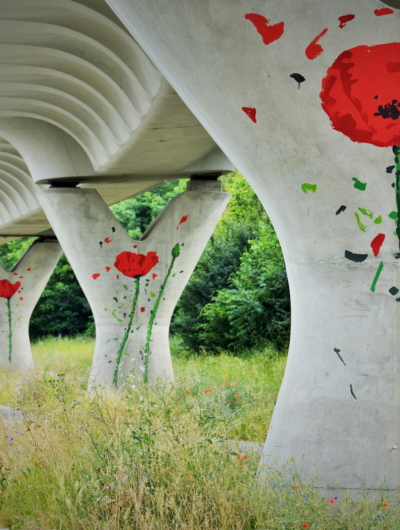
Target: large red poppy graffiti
{"type": "Point", "coordinates": [360, 94]}
{"type": "Point", "coordinates": [8, 290]}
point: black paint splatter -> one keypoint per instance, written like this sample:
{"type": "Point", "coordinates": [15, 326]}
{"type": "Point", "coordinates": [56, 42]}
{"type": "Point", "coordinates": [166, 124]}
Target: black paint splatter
{"type": "Point", "coordinates": [299, 78]}
{"type": "Point", "coordinates": [391, 110]}
{"type": "Point", "coordinates": [341, 209]}
{"type": "Point", "coordinates": [390, 169]}
{"type": "Point", "coordinates": [101, 243]}
{"type": "Point", "coordinates": [113, 229]}
{"type": "Point", "coordinates": [115, 299]}
{"type": "Point", "coordinates": [357, 258]}
{"type": "Point", "coordinates": [393, 291]}
{"type": "Point", "coordinates": [336, 350]}
{"type": "Point", "coordinates": [352, 393]}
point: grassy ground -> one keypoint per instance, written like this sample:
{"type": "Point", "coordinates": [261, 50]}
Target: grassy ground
{"type": "Point", "coordinates": [145, 459]}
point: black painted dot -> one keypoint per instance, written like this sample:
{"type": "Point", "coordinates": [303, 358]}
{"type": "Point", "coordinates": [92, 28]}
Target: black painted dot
{"type": "Point", "coordinates": [393, 291]}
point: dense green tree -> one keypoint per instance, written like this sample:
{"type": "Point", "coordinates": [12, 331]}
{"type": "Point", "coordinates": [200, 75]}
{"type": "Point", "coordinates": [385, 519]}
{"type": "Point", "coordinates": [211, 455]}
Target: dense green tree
{"type": "Point", "coordinates": [255, 307]}
{"type": "Point", "coordinates": [238, 295]}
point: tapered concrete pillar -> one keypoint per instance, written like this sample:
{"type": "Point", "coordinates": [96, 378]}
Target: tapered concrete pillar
{"type": "Point", "coordinates": [303, 97]}
{"type": "Point", "coordinates": [133, 286]}
{"type": "Point", "coordinates": [20, 290]}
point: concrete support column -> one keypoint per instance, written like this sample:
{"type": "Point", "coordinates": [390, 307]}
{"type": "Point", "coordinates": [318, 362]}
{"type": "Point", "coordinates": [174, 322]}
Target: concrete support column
{"type": "Point", "coordinates": [133, 286]}
{"type": "Point", "coordinates": [20, 290]}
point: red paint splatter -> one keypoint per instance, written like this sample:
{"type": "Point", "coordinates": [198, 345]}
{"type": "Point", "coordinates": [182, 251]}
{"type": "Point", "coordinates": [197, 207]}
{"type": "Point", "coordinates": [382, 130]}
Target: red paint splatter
{"type": "Point", "coordinates": [360, 94]}
{"type": "Point", "coordinates": [155, 276]}
{"type": "Point", "coordinates": [22, 277]}
{"type": "Point", "coordinates": [142, 309]}
{"type": "Point", "coordinates": [21, 298]}
{"type": "Point", "coordinates": [134, 246]}
{"type": "Point", "coordinates": [344, 19]}
{"type": "Point", "coordinates": [107, 240]}
{"type": "Point", "coordinates": [314, 49]}
{"type": "Point", "coordinates": [376, 244]}
{"type": "Point", "coordinates": [108, 269]}
{"type": "Point", "coordinates": [95, 276]}
{"type": "Point", "coordinates": [29, 269]}
{"type": "Point", "coordinates": [384, 11]}
{"type": "Point", "coordinates": [183, 220]}
{"type": "Point", "coordinates": [268, 33]}
{"type": "Point", "coordinates": [251, 113]}
{"type": "Point", "coordinates": [117, 276]}
{"type": "Point", "coordinates": [15, 273]}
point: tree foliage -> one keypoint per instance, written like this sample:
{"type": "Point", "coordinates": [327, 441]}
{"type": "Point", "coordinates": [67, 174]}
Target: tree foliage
{"type": "Point", "coordinates": [238, 295]}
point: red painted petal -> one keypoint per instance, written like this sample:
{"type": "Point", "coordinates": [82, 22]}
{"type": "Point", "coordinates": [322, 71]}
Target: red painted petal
{"type": "Point", "coordinates": [155, 276]}
{"type": "Point", "coordinates": [142, 309]}
{"type": "Point", "coordinates": [314, 49]}
{"type": "Point", "coordinates": [376, 243]}
{"type": "Point", "coordinates": [251, 113]}
{"type": "Point", "coordinates": [108, 269]}
{"type": "Point", "coordinates": [384, 11]}
{"type": "Point", "coordinates": [268, 33]}
{"type": "Point", "coordinates": [344, 19]}
{"type": "Point", "coordinates": [183, 220]}
{"type": "Point", "coordinates": [95, 276]}
{"type": "Point", "coordinates": [107, 240]}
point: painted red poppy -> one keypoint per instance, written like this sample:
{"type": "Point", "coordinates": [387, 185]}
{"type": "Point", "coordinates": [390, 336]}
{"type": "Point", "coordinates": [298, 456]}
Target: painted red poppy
{"type": "Point", "coordinates": [135, 265]}
{"type": "Point", "coordinates": [7, 289]}
{"type": "Point", "coordinates": [360, 94]}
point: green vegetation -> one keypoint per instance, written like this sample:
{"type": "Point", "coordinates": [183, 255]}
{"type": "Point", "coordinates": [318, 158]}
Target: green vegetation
{"type": "Point", "coordinates": [237, 297]}
{"type": "Point", "coordinates": [156, 457]}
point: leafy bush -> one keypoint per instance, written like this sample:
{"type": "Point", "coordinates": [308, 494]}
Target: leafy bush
{"type": "Point", "coordinates": [256, 305]}
{"type": "Point", "coordinates": [238, 295]}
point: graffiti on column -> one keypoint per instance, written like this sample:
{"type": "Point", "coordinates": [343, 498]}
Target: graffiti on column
{"type": "Point", "coordinates": [134, 266]}
{"type": "Point", "coordinates": [7, 291]}
{"type": "Point", "coordinates": [360, 95]}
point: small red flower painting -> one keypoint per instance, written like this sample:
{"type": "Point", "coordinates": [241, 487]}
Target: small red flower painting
{"type": "Point", "coordinates": [7, 289]}
{"type": "Point", "coordinates": [135, 265]}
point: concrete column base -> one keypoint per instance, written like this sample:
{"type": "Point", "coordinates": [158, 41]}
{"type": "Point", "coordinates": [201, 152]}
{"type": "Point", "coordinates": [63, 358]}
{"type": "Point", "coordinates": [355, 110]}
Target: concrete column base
{"type": "Point", "coordinates": [132, 286]}
{"type": "Point", "coordinates": [20, 290]}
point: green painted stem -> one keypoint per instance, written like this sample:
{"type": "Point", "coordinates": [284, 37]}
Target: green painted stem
{"type": "Point", "coordinates": [152, 318]}
{"type": "Point", "coordinates": [9, 329]}
{"type": "Point", "coordinates": [128, 329]}
{"type": "Point", "coordinates": [397, 161]}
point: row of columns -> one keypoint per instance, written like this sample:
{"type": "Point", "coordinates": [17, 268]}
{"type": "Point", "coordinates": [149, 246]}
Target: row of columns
{"type": "Point", "coordinates": [131, 286]}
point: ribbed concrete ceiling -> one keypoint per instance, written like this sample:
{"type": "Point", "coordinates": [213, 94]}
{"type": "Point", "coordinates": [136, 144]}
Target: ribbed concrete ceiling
{"type": "Point", "coordinates": [71, 67]}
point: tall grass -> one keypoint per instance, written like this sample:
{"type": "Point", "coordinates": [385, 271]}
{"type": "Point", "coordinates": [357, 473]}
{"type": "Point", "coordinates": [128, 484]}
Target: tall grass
{"type": "Point", "coordinates": [156, 457]}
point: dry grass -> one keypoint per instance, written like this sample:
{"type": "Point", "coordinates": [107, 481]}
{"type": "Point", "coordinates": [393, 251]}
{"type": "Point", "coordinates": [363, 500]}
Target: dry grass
{"type": "Point", "coordinates": [144, 458]}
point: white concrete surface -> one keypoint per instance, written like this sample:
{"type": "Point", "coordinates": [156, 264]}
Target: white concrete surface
{"type": "Point", "coordinates": [341, 418]}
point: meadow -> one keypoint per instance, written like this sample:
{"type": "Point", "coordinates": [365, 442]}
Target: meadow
{"type": "Point", "coordinates": [160, 456]}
